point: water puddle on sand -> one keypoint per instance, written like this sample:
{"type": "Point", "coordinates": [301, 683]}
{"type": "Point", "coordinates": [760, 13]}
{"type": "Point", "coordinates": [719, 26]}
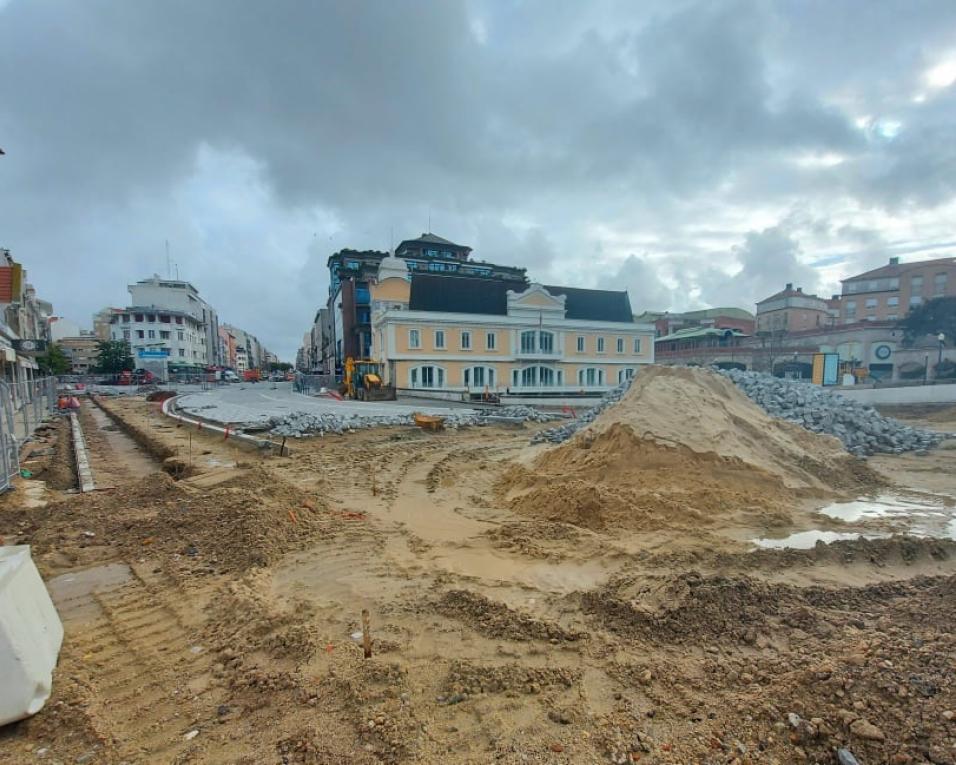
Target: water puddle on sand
{"type": "Point", "coordinates": [919, 515]}
{"type": "Point", "coordinates": [804, 540]}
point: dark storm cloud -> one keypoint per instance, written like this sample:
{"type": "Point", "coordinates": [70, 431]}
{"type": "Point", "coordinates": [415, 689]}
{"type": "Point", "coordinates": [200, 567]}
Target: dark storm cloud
{"type": "Point", "coordinates": [259, 138]}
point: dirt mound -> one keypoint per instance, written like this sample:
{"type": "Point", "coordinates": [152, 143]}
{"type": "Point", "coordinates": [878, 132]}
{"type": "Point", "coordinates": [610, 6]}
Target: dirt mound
{"type": "Point", "coordinates": [709, 415]}
{"type": "Point", "coordinates": [684, 448]}
{"type": "Point", "coordinates": [252, 521]}
{"type": "Point", "coordinates": [497, 620]}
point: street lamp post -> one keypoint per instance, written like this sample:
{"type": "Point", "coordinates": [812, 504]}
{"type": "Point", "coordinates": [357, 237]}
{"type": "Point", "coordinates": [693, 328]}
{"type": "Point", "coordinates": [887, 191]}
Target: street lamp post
{"type": "Point", "coordinates": [942, 341]}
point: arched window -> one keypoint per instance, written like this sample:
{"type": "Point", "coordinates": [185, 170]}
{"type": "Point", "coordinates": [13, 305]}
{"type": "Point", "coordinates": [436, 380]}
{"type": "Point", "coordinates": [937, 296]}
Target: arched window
{"type": "Point", "coordinates": [479, 377]}
{"type": "Point", "coordinates": [528, 341]}
{"type": "Point", "coordinates": [537, 377]}
{"type": "Point", "coordinates": [426, 377]}
{"type": "Point", "coordinates": [625, 374]}
{"type": "Point", "coordinates": [545, 342]}
{"type": "Point", "coordinates": [590, 377]}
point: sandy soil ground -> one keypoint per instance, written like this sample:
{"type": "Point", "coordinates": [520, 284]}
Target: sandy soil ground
{"type": "Point", "coordinates": [217, 618]}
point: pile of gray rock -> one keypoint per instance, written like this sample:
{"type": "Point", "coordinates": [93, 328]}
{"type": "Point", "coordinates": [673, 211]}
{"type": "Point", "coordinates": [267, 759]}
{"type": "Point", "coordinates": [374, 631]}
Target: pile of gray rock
{"type": "Point", "coordinates": [563, 432]}
{"type": "Point", "coordinates": [861, 428]}
{"type": "Point", "coordinates": [299, 424]}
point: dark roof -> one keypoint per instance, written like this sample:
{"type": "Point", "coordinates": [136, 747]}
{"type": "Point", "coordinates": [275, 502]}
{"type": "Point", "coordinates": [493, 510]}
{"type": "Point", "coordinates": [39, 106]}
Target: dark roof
{"type": "Point", "coordinates": [429, 238]}
{"type": "Point", "coordinates": [594, 305]}
{"type": "Point", "coordinates": [895, 269]}
{"type": "Point", "coordinates": [461, 294]}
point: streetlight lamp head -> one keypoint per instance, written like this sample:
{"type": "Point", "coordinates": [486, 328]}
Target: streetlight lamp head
{"type": "Point", "coordinates": [941, 337]}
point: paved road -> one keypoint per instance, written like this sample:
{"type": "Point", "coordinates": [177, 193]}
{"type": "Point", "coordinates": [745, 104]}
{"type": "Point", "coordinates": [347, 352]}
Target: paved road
{"type": "Point", "coordinates": [254, 404]}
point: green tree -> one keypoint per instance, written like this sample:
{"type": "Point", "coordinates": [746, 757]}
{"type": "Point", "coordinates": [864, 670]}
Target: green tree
{"type": "Point", "coordinates": [931, 318]}
{"type": "Point", "coordinates": [54, 361]}
{"type": "Point", "coordinates": [113, 356]}
{"type": "Point", "coordinates": [280, 366]}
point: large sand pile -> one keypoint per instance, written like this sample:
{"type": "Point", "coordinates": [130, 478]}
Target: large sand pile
{"type": "Point", "coordinates": [684, 447]}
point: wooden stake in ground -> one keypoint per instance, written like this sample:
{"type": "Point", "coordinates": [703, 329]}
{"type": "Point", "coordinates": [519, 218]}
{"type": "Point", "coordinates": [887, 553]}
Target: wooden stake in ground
{"type": "Point", "coordinates": [366, 634]}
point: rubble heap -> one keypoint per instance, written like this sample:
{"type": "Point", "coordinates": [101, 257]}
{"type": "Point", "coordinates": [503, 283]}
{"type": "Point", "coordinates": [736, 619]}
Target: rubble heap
{"type": "Point", "coordinates": [861, 428]}
{"type": "Point", "coordinates": [297, 424]}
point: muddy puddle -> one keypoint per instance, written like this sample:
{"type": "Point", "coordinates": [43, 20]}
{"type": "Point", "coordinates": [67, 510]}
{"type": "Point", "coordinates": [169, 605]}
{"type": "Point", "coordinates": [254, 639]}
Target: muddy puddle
{"type": "Point", "coordinates": [916, 514]}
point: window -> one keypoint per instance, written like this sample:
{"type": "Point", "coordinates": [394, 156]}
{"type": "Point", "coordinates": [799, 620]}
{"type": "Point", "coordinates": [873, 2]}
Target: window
{"type": "Point", "coordinates": [164, 334]}
{"type": "Point", "coordinates": [545, 342]}
{"type": "Point", "coordinates": [590, 376]}
{"type": "Point", "coordinates": [851, 309]}
{"type": "Point", "coordinates": [637, 345]}
{"type": "Point", "coordinates": [479, 377]}
{"type": "Point", "coordinates": [126, 335]}
{"type": "Point", "coordinates": [537, 377]}
{"type": "Point", "coordinates": [182, 351]}
{"type": "Point", "coordinates": [939, 284]}
{"type": "Point", "coordinates": [151, 317]}
{"type": "Point", "coordinates": [179, 319]}
{"type": "Point", "coordinates": [874, 285]}
{"type": "Point", "coordinates": [125, 318]}
{"type": "Point", "coordinates": [894, 283]}
{"type": "Point", "coordinates": [916, 284]}
{"type": "Point", "coordinates": [600, 345]}
{"type": "Point", "coordinates": [527, 341]}
{"type": "Point", "coordinates": [164, 318]}
{"type": "Point", "coordinates": [140, 334]}
{"type": "Point", "coordinates": [138, 317]}
{"type": "Point", "coordinates": [580, 343]}
{"type": "Point", "coordinates": [620, 345]}
{"type": "Point", "coordinates": [491, 341]}
{"type": "Point", "coordinates": [871, 302]}
{"type": "Point", "coordinates": [440, 339]}
{"type": "Point", "coordinates": [427, 377]}
{"type": "Point", "coordinates": [180, 334]}
{"type": "Point", "coordinates": [152, 334]}
{"type": "Point", "coordinates": [414, 339]}
{"type": "Point", "coordinates": [625, 374]}
{"type": "Point", "coordinates": [892, 301]}
{"type": "Point", "coordinates": [915, 300]}
{"type": "Point", "coordinates": [466, 341]}
{"type": "Point", "coordinates": [892, 317]}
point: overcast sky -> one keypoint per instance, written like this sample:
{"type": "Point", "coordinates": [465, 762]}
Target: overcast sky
{"type": "Point", "coordinates": [696, 154]}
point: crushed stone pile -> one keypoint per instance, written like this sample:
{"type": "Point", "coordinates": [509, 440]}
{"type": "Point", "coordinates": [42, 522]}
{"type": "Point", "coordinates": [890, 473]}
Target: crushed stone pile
{"type": "Point", "coordinates": [861, 428]}
{"type": "Point", "coordinates": [298, 424]}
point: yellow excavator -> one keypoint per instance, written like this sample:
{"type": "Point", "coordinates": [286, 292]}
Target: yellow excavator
{"type": "Point", "coordinates": [364, 381]}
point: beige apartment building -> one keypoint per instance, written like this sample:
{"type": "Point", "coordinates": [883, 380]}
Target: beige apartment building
{"type": "Point", "coordinates": [889, 292]}
{"type": "Point", "coordinates": [791, 310]}
{"type": "Point", "coordinates": [471, 336]}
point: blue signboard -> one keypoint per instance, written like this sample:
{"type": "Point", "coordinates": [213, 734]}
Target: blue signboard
{"type": "Point", "coordinates": [831, 368]}
{"type": "Point", "coordinates": [152, 353]}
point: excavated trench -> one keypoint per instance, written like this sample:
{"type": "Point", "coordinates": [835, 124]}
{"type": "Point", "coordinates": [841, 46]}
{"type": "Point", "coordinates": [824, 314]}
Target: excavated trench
{"type": "Point", "coordinates": [115, 457]}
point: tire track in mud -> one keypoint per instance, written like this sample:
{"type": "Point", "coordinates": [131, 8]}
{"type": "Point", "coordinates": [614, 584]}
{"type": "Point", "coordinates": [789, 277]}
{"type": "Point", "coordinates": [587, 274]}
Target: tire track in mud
{"type": "Point", "coordinates": [138, 649]}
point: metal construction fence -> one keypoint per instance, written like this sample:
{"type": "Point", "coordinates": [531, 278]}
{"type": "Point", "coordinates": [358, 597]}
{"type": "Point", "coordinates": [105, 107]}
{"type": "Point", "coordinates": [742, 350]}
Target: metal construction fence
{"type": "Point", "coordinates": [310, 384]}
{"type": "Point", "coordinates": [23, 406]}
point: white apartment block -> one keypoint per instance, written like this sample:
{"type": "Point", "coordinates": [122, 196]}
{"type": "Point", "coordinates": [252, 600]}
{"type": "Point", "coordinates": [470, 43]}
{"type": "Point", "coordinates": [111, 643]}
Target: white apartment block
{"type": "Point", "coordinates": [172, 297]}
{"type": "Point", "coordinates": [180, 334]}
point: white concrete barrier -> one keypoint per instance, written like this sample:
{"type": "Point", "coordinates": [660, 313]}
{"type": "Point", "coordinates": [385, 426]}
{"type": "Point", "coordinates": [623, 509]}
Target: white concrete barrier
{"type": "Point", "coordinates": [910, 394]}
{"type": "Point", "coordinates": [30, 636]}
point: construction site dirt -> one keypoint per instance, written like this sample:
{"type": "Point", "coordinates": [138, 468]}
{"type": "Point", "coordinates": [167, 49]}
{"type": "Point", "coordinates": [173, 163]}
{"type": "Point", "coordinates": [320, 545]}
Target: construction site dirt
{"type": "Point", "coordinates": [616, 598]}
